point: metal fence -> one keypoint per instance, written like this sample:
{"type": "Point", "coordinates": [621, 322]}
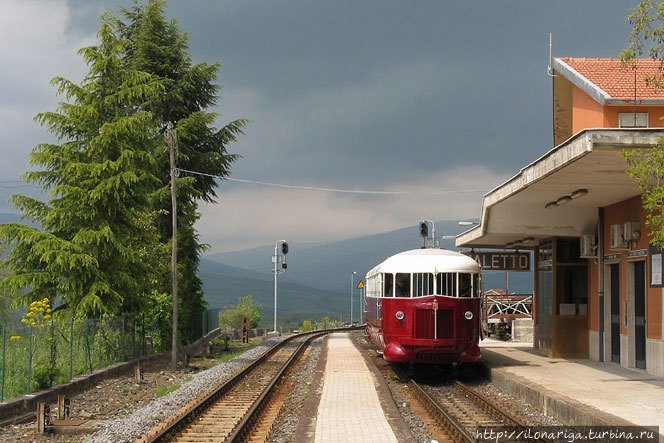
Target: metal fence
{"type": "Point", "coordinates": [34, 358]}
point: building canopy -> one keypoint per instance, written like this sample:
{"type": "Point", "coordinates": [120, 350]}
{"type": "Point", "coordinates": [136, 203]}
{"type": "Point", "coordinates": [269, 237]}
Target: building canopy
{"type": "Point", "coordinates": [559, 194]}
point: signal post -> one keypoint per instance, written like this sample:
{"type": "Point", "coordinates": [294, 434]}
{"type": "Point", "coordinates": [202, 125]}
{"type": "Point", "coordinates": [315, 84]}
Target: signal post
{"type": "Point", "coordinates": [279, 265]}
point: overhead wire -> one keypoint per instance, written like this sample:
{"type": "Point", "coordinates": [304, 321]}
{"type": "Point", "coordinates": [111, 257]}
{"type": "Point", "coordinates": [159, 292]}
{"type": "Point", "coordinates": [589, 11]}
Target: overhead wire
{"type": "Point", "coordinates": [321, 189]}
{"type": "Point", "coordinates": [6, 184]}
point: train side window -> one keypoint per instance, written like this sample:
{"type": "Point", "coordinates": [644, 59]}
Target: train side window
{"type": "Point", "coordinates": [465, 285]}
{"type": "Point", "coordinates": [374, 286]}
{"type": "Point", "coordinates": [446, 283]}
{"type": "Point", "coordinates": [477, 286]}
{"type": "Point", "coordinates": [388, 285]}
{"type": "Point", "coordinates": [422, 284]}
{"type": "Point", "coordinates": [402, 285]}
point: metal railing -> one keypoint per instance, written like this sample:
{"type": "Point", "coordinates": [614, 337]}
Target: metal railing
{"type": "Point", "coordinates": [37, 357]}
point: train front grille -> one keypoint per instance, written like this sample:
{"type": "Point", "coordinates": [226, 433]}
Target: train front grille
{"type": "Point", "coordinates": [425, 320]}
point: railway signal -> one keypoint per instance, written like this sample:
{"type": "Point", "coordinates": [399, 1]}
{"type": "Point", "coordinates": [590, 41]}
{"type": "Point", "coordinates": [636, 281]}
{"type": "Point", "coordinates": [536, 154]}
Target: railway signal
{"type": "Point", "coordinates": [428, 242]}
{"type": "Point", "coordinates": [279, 266]}
{"type": "Point", "coordinates": [424, 229]}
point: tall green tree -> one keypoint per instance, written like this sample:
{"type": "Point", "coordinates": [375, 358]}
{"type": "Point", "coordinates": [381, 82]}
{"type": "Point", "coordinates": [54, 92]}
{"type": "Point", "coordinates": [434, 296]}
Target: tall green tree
{"type": "Point", "coordinates": [159, 47]}
{"type": "Point", "coordinates": [647, 168]}
{"type": "Point", "coordinates": [95, 236]}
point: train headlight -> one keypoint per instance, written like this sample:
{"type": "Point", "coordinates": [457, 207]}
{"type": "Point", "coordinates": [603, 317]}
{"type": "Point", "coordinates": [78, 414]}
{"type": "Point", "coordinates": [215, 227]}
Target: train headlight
{"type": "Point", "coordinates": [400, 315]}
{"type": "Point", "coordinates": [468, 315]}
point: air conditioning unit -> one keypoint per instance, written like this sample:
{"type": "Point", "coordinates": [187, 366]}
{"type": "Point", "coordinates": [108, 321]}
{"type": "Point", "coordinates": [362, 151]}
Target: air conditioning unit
{"type": "Point", "coordinates": [631, 231]}
{"type": "Point", "coordinates": [588, 247]}
{"type": "Point", "coordinates": [617, 239]}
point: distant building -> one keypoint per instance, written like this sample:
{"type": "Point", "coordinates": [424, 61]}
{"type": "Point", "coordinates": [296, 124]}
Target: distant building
{"type": "Point", "coordinates": [598, 283]}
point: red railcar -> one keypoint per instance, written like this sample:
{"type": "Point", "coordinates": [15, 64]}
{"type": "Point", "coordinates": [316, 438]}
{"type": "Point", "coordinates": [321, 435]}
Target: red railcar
{"type": "Point", "coordinates": [423, 306]}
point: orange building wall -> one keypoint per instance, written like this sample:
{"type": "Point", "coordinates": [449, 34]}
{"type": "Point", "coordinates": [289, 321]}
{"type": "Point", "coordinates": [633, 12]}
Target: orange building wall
{"type": "Point", "coordinates": [586, 112]}
{"type": "Point", "coordinates": [632, 210]}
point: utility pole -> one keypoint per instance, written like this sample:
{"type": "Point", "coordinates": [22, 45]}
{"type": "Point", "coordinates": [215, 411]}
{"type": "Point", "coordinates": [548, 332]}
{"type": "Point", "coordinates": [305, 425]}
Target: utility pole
{"type": "Point", "coordinates": [170, 139]}
{"type": "Point", "coordinates": [352, 278]}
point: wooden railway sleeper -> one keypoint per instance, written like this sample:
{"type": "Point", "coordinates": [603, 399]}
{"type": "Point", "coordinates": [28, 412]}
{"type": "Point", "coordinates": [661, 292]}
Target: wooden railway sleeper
{"type": "Point", "coordinates": [490, 407]}
{"type": "Point", "coordinates": [451, 425]}
{"type": "Point", "coordinates": [176, 425]}
{"type": "Point", "coordinates": [251, 419]}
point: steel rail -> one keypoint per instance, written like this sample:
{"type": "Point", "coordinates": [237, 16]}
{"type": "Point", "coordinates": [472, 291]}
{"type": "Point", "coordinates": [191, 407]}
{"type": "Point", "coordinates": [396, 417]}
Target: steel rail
{"type": "Point", "coordinates": [447, 421]}
{"type": "Point", "coordinates": [450, 423]}
{"type": "Point", "coordinates": [489, 406]}
{"type": "Point", "coordinates": [496, 409]}
{"type": "Point", "coordinates": [182, 421]}
{"type": "Point", "coordinates": [198, 408]}
{"type": "Point", "coordinates": [245, 426]}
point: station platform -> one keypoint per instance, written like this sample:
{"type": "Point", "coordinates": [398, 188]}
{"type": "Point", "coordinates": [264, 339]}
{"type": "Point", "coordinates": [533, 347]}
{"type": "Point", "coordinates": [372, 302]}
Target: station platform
{"type": "Point", "coordinates": [353, 401]}
{"type": "Point", "coordinates": [577, 391]}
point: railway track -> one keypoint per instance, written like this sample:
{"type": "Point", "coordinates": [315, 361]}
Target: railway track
{"type": "Point", "coordinates": [234, 411]}
{"type": "Point", "coordinates": [460, 410]}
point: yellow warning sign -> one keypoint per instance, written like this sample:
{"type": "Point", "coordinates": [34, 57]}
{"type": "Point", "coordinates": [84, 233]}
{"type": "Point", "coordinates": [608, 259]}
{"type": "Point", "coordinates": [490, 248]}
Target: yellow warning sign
{"type": "Point", "coordinates": [360, 285]}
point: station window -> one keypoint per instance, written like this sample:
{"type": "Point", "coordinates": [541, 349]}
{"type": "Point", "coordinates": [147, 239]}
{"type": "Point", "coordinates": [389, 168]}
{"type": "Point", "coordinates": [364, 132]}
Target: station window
{"type": "Point", "coordinates": [633, 120]}
{"type": "Point", "coordinates": [545, 255]}
{"type": "Point", "coordinates": [572, 289]}
{"type": "Point", "coordinates": [571, 278]}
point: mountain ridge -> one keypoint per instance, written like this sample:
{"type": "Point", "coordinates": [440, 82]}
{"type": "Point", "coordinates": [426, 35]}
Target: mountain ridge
{"type": "Point", "coordinates": [319, 277]}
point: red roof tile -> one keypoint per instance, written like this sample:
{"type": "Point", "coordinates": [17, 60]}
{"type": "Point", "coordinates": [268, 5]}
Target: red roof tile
{"type": "Point", "coordinates": [618, 80]}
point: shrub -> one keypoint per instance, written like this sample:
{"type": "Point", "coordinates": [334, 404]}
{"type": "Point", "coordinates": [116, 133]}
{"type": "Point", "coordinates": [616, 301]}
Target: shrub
{"type": "Point", "coordinates": [42, 374]}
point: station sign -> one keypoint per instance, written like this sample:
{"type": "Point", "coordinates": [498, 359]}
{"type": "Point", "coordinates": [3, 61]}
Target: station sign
{"type": "Point", "coordinates": [502, 261]}
{"type": "Point", "coordinates": [612, 259]}
{"type": "Point", "coordinates": [655, 266]}
{"type": "Point", "coordinates": [545, 265]}
{"type": "Point", "coordinates": [637, 253]}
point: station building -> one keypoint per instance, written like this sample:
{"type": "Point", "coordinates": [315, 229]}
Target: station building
{"type": "Point", "coordinates": [597, 281]}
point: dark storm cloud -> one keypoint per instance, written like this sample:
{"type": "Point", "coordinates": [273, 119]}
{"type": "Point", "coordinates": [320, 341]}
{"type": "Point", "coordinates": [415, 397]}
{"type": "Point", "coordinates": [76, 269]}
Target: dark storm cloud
{"type": "Point", "coordinates": [488, 94]}
{"type": "Point", "coordinates": [380, 94]}
{"type": "Point", "coordinates": [348, 89]}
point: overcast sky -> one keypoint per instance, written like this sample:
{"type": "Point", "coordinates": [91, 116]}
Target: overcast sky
{"type": "Point", "coordinates": [436, 102]}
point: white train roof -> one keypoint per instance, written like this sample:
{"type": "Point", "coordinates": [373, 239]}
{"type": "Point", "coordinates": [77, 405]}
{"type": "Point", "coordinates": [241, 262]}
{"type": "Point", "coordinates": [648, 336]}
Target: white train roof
{"type": "Point", "coordinates": [427, 260]}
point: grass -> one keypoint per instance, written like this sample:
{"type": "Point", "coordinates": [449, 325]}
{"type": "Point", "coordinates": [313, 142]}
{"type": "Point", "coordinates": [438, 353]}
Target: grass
{"type": "Point", "coordinates": [237, 348]}
{"type": "Point", "coordinates": [164, 390]}
{"type": "Point", "coordinates": [230, 355]}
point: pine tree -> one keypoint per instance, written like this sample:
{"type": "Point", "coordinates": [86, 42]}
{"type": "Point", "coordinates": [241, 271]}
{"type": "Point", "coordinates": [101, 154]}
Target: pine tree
{"type": "Point", "coordinates": [95, 239]}
{"type": "Point", "coordinates": [160, 48]}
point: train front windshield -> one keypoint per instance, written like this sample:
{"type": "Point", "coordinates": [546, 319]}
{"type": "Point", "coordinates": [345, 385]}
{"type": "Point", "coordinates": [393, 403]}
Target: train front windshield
{"type": "Point", "coordinates": [451, 284]}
